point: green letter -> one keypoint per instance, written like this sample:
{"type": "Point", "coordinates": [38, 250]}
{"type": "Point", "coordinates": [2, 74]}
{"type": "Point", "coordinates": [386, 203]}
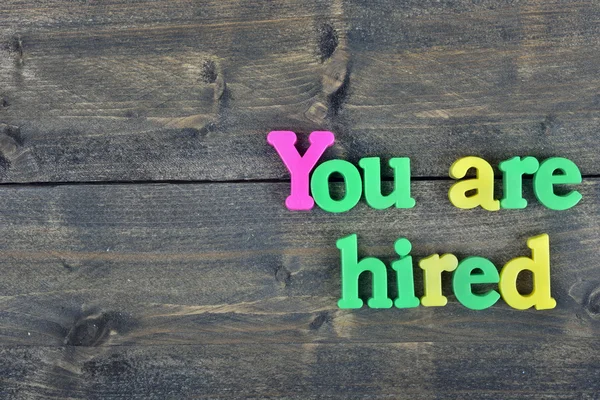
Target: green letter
{"type": "Point", "coordinates": [464, 278]}
{"type": "Point", "coordinates": [513, 180]}
{"type": "Point", "coordinates": [404, 271]}
{"type": "Point", "coordinates": [544, 180]}
{"type": "Point", "coordinates": [351, 270]}
{"type": "Point", "coordinates": [319, 186]}
{"type": "Point", "coordinates": [401, 194]}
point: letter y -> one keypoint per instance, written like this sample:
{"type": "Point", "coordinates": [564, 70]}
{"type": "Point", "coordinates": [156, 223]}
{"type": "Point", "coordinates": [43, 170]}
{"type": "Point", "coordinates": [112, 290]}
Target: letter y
{"type": "Point", "coordinates": [300, 167]}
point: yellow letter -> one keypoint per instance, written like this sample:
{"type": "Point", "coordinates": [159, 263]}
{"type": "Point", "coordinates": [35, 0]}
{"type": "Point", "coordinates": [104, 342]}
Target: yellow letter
{"type": "Point", "coordinates": [539, 265]}
{"type": "Point", "coordinates": [432, 278]}
{"type": "Point", "coordinates": [483, 184]}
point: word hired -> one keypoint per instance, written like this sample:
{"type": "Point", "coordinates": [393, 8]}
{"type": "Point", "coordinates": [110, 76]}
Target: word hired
{"type": "Point", "coordinates": [471, 270]}
{"type": "Point", "coordinates": [544, 178]}
{"type": "Point", "coordinates": [301, 166]}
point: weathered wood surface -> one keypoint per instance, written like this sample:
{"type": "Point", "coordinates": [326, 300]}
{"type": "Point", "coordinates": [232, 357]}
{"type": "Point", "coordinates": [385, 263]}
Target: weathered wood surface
{"type": "Point", "coordinates": [216, 290]}
{"type": "Point", "coordinates": [201, 289]}
{"type": "Point", "coordinates": [418, 370]}
{"type": "Point", "coordinates": [180, 90]}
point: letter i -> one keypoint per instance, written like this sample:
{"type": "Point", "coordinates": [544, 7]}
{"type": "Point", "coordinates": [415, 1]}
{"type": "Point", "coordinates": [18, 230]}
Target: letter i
{"type": "Point", "coordinates": [404, 272]}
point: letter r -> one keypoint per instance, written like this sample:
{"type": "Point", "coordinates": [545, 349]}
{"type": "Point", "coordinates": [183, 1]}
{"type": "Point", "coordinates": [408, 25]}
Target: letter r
{"type": "Point", "coordinates": [300, 166]}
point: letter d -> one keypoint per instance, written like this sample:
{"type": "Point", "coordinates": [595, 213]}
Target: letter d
{"type": "Point", "coordinates": [539, 265]}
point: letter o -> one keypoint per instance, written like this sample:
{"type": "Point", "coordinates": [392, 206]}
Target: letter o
{"type": "Point", "coordinates": [319, 186]}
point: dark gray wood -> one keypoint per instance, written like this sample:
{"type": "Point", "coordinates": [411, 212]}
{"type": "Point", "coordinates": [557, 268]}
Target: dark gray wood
{"type": "Point", "coordinates": [213, 289]}
{"type": "Point", "coordinates": [180, 91]}
{"type": "Point", "coordinates": [405, 370]}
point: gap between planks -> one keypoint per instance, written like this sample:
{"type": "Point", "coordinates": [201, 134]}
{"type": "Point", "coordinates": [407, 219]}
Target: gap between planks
{"type": "Point", "coordinates": [229, 181]}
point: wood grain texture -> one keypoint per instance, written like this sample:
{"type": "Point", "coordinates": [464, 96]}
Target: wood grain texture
{"type": "Point", "coordinates": [183, 90]}
{"type": "Point", "coordinates": [163, 290]}
{"type": "Point", "coordinates": [117, 286]}
{"type": "Point", "coordinates": [307, 371]}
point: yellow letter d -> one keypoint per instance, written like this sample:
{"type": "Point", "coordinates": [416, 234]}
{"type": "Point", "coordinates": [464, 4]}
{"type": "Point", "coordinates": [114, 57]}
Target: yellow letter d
{"type": "Point", "coordinates": [539, 265]}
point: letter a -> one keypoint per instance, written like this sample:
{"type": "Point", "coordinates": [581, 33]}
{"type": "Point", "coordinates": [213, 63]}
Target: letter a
{"type": "Point", "coordinates": [300, 167]}
{"type": "Point", "coordinates": [483, 184]}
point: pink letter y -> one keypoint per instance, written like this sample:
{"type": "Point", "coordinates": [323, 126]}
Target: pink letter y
{"type": "Point", "coordinates": [299, 167]}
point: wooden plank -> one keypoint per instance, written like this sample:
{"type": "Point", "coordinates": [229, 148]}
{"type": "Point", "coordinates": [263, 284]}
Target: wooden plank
{"type": "Point", "coordinates": [228, 263]}
{"type": "Point", "coordinates": [215, 290]}
{"type": "Point", "coordinates": [189, 92]}
{"type": "Point", "coordinates": [404, 370]}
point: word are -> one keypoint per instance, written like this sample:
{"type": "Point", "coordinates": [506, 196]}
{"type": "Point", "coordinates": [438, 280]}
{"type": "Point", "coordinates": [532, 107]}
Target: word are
{"type": "Point", "coordinates": [471, 270]}
{"type": "Point", "coordinates": [556, 170]}
{"type": "Point", "coordinates": [467, 193]}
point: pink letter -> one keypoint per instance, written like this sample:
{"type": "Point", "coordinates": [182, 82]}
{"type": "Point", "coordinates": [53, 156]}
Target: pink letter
{"type": "Point", "coordinates": [300, 167]}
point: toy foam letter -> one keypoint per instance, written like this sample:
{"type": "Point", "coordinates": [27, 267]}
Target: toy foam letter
{"type": "Point", "coordinates": [474, 270]}
{"type": "Point", "coordinates": [539, 265]}
{"type": "Point", "coordinates": [433, 266]}
{"type": "Point", "coordinates": [514, 169]}
{"type": "Point", "coordinates": [300, 166]}
{"type": "Point", "coordinates": [404, 273]}
{"type": "Point", "coordinates": [483, 184]}
{"type": "Point", "coordinates": [352, 268]}
{"type": "Point", "coordinates": [545, 179]}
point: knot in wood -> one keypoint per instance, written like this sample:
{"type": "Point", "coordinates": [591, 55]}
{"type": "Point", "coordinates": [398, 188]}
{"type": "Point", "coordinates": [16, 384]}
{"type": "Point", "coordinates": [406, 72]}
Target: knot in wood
{"type": "Point", "coordinates": [89, 331]}
{"type": "Point", "coordinates": [592, 304]}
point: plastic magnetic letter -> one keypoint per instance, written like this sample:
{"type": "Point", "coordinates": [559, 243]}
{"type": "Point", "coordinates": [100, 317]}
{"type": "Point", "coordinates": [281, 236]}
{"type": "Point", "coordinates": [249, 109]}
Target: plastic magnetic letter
{"type": "Point", "coordinates": [432, 278]}
{"type": "Point", "coordinates": [400, 197]}
{"type": "Point", "coordinates": [545, 178]}
{"type": "Point", "coordinates": [539, 265]}
{"type": "Point", "coordinates": [512, 181]}
{"type": "Point", "coordinates": [483, 184]}
{"type": "Point", "coordinates": [351, 270]}
{"type": "Point", "coordinates": [404, 272]}
{"type": "Point", "coordinates": [299, 167]}
{"type": "Point", "coordinates": [464, 277]}
{"type": "Point", "coordinates": [319, 186]}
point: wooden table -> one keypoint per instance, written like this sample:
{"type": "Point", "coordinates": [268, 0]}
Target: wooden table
{"type": "Point", "coordinates": [145, 249]}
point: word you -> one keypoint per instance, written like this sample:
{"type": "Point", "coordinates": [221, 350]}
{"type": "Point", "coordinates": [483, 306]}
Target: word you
{"type": "Point", "coordinates": [465, 194]}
